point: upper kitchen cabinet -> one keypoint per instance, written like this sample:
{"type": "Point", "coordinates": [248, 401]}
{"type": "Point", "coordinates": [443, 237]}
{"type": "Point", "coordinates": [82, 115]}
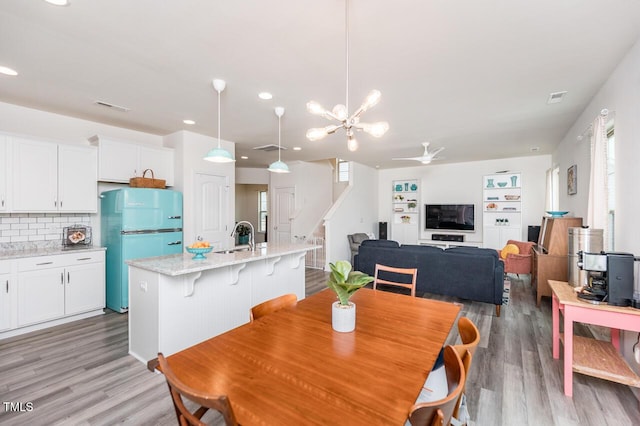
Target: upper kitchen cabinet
{"type": "Point", "coordinates": [48, 177]}
{"type": "Point", "coordinates": [4, 170]}
{"type": "Point", "coordinates": [118, 161]}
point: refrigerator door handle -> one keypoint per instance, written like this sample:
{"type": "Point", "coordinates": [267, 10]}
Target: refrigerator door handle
{"type": "Point", "coordinates": [174, 243]}
{"type": "Point", "coordinates": [175, 217]}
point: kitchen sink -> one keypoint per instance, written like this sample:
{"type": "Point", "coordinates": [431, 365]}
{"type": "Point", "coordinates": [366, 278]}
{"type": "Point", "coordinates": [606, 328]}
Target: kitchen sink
{"type": "Point", "coordinates": [235, 249]}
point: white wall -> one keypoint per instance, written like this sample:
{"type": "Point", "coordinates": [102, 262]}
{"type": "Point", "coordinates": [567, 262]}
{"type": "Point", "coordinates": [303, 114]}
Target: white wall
{"type": "Point", "coordinates": [621, 95]}
{"type": "Point", "coordinates": [354, 211]}
{"type": "Point", "coordinates": [250, 175]}
{"type": "Point", "coordinates": [461, 183]}
{"type": "Point", "coordinates": [190, 149]}
{"type": "Point", "coordinates": [312, 183]}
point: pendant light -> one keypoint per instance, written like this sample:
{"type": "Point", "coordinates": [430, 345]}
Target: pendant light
{"type": "Point", "coordinates": [279, 166]}
{"type": "Point", "coordinates": [341, 112]}
{"type": "Point", "coordinates": [219, 154]}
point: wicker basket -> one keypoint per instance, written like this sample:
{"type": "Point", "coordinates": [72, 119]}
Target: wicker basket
{"type": "Point", "coordinates": [145, 182]}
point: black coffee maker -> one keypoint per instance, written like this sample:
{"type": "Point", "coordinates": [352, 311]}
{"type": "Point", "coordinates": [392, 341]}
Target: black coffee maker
{"type": "Point", "coordinates": [609, 277]}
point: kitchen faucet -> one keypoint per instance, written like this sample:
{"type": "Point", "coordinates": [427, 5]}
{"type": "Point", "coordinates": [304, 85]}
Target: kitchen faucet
{"type": "Point", "coordinates": [252, 241]}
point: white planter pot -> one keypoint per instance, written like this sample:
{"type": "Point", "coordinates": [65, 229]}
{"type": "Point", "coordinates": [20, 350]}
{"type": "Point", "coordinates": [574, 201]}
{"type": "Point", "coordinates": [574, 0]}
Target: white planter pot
{"type": "Point", "coordinates": [343, 317]}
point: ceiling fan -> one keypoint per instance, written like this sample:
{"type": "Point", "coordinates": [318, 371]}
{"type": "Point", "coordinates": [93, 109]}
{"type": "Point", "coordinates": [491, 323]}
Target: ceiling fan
{"type": "Point", "coordinates": [425, 158]}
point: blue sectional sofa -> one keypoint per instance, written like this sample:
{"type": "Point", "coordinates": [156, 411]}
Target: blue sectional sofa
{"type": "Point", "coordinates": [465, 272]}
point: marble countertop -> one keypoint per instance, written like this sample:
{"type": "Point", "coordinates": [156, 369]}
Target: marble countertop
{"type": "Point", "coordinates": [17, 254]}
{"type": "Point", "coordinates": [180, 264]}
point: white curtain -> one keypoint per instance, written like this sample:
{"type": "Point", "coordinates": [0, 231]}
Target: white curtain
{"type": "Point", "coordinates": [548, 202]}
{"type": "Point", "coordinates": [598, 204]}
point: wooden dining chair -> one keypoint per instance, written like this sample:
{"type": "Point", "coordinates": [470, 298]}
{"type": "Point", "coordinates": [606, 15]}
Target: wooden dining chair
{"type": "Point", "coordinates": [436, 384]}
{"type": "Point", "coordinates": [272, 305]}
{"type": "Point", "coordinates": [440, 412]}
{"type": "Point", "coordinates": [179, 389]}
{"type": "Point", "coordinates": [390, 271]}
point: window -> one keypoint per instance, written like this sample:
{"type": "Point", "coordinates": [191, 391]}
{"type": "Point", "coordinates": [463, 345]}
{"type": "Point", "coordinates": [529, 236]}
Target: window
{"type": "Point", "coordinates": [343, 171]}
{"type": "Point", "coordinates": [262, 211]}
{"type": "Point", "coordinates": [611, 185]}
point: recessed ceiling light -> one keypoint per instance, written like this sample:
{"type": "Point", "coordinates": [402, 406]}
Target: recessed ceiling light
{"type": "Point", "coordinates": [58, 2]}
{"type": "Point", "coordinates": [297, 148]}
{"type": "Point", "coordinates": [8, 71]}
{"type": "Point", "coordinates": [265, 95]}
{"type": "Point", "coordinates": [188, 122]}
{"type": "Point", "coordinates": [244, 157]}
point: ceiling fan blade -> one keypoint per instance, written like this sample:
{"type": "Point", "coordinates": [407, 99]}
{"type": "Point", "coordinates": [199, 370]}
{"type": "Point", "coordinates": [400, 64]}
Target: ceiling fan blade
{"type": "Point", "coordinates": [409, 158]}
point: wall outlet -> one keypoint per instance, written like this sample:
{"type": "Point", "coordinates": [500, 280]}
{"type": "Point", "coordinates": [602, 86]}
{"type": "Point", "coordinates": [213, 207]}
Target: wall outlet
{"type": "Point", "coordinates": [636, 354]}
{"type": "Point", "coordinates": [143, 286]}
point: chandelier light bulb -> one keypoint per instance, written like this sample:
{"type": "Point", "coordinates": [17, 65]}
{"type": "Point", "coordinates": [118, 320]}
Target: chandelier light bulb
{"type": "Point", "coordinates": [340, 111]}
{"type": "Point", "coordinates": [315, 108]}
{"type": "Point", "coordinates": [316, 133]}
{"type": "Point", "coordinates": [371, 100]}
{"type": "Point", "coordinates": [352, 143]}
{"type": "Point", "coordinates": [376, 129]}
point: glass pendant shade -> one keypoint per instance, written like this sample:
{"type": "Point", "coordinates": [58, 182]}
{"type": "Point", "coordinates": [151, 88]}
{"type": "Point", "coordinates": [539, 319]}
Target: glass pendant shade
{"type": "Point", "coordinates": [279, 167]}
{"type": "Point", "coordinates": [352, 143]}
{"type": "Point", "coordinates": [316, 133]}
{"type": "Point", "coordinates": [219, 154]}
{"type": "Point", "coordinates": [376, 129]}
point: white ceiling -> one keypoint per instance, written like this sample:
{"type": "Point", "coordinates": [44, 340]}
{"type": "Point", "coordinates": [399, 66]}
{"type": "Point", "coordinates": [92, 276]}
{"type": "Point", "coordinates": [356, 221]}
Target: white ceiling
{"type": "Point", "coordinates": [472, 76]}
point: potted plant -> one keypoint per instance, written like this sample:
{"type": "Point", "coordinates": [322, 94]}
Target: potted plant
{"type": "Point", "coordinates": [412, 204]}
{"type": "Point", "coordinates": [345, 282]}
{"type": "Point", "coordinates": [243, 234]}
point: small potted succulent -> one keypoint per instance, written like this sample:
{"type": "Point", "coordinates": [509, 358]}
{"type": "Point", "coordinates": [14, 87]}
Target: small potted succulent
{"type": "Point", "coordinates": [345, 282]}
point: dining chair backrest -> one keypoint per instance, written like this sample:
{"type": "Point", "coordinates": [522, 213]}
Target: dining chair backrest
{"type": "Point", "coordinates": [178, 389]}
{"type": "Point", "coordinates": [440, 412]}
{"type": "Point", "coordinates": [391, 274]}
{"type": "Point", "coordinates": [272, 305]}
{"type": "Point", "coordinates": [470, 337]}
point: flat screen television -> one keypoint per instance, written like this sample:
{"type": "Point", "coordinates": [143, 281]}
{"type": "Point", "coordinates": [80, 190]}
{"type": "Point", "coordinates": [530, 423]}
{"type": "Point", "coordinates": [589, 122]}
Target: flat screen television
{"type": "Point", "coordinates": [458, 217]}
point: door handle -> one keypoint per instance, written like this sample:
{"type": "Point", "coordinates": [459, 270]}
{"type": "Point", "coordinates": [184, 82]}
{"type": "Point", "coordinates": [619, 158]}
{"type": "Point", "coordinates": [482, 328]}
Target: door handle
{"type": "Point", "coordinates": [44, 263]}
{"type": "Point", "coordinates": [7, 285]}
{"type": "Point", "coordinates": [175, 217]}
{"type": "Point", "coordinates": [61, 277]}
{"type": "Point", "coordinates": [174, 243]}
{"type": "Point", "coordinates": [68, 277]}
{"type": "Point", "coordinates": [84, 258]}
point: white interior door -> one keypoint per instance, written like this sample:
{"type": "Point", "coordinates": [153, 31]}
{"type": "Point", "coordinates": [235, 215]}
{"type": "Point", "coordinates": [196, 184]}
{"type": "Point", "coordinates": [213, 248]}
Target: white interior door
{"type": "Point", "coordinates": [211, 206]}
{"type": "Point", "coordinates": [283, 212]}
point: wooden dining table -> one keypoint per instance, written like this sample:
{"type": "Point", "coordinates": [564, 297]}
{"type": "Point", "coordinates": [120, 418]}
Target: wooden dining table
{"type": "Point", "coordinates": [292, 368]}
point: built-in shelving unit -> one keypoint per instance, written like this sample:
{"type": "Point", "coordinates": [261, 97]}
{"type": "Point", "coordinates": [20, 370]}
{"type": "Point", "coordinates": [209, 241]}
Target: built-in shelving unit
{"type": "Point", "coordinates": [501, 209]}
{"type": "Point", "coordinates": [406, 211]}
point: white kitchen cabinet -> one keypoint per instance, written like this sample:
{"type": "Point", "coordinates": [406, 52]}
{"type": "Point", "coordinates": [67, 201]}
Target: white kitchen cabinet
{"type": "Point", "coordinates": [502, 209]}
{"type": "Point", "coordinates": [118, 161]}
{"type": "Point", "coordinates": [7, 287]}
{"type": "Point", "coordinates": [57, 286]}
{"type": "Point", "coordinates": [48, 177]}
{"type": "Point", "coordinates": [4, 171]}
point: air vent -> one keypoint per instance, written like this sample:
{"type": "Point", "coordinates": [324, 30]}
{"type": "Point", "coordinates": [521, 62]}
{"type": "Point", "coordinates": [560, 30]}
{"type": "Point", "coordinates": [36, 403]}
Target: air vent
{"type": "Point", "coordinates": [112, 106]}
{"type": "Point", "coordinates": [556, 97]}
{"type": "Point", "coordinates": [270, 147]}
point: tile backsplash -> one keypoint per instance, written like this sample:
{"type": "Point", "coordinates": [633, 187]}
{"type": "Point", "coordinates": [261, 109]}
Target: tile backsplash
{"type": "Point", "coordinates": [22, 231]}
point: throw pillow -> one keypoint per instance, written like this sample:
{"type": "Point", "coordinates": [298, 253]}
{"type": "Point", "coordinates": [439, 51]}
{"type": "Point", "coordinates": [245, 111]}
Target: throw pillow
{"type": "Point", "coordinates": [509, 249]}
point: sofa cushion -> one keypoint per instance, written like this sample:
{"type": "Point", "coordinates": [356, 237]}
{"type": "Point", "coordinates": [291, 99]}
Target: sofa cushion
{"type": "Point", "coordinates": [380, 243]}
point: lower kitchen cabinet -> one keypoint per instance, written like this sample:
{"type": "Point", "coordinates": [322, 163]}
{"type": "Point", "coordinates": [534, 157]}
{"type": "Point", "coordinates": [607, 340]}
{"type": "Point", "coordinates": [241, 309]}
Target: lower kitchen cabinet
{"type": "Point", "coordinates": [50, 289]}
{"type": "Point", "coordinates": [7, 287]}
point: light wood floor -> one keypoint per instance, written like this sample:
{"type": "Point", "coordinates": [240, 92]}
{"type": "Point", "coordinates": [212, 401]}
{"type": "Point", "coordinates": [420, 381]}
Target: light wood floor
{"type": "Point", "coordinates": [80, 373]}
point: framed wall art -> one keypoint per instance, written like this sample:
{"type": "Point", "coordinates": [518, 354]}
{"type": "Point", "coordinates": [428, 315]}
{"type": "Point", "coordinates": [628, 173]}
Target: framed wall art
{"type": "Point", "coordinates": [572, 180]}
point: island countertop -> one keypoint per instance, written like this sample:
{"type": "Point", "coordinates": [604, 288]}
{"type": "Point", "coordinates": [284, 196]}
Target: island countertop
{"type": "Point", "coordinates": [180, 264]}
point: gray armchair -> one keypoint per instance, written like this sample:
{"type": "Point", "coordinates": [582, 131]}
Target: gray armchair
{"type": "Point", "coordinates": [354, 243]}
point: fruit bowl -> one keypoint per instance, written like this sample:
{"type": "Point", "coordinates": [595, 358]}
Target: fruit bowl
{"type": "Point", "coordinates": [199, 252]}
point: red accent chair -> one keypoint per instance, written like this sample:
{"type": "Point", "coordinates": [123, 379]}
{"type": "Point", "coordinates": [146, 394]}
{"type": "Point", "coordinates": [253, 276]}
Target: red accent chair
{"type": "Point", "coordinates": [519, 263]}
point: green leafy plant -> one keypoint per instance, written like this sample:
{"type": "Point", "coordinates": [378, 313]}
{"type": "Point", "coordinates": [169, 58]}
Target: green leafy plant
{"type": "Point", "coordinates": [345, 282]}
{"type": "Point", "coordinates": [243, 230]}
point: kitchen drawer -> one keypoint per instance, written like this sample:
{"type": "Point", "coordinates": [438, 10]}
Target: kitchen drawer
{"type": "Point", "coordinates": [58, 261]}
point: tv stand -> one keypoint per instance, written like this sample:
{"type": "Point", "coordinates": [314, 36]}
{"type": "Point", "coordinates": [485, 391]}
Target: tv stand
{"type": "Point", "coordinates": [449, 244]}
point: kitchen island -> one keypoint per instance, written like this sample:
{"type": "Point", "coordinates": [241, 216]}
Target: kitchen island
{"type": "Point", "coordinates": [176, 301]}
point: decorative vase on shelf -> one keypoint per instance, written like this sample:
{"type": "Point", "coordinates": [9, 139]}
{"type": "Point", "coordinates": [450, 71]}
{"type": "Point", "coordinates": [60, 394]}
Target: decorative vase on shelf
{"type": "Point", "coordinates": [490, 183]}
{"type": "Point", "coordinates": [514, 181]}
{"type": "Point", "coordinates": [406, 186]}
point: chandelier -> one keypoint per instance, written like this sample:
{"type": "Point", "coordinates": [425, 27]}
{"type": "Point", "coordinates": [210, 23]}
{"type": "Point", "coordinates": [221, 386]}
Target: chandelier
{"type": "Point", "coordinates": [340, 113]}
